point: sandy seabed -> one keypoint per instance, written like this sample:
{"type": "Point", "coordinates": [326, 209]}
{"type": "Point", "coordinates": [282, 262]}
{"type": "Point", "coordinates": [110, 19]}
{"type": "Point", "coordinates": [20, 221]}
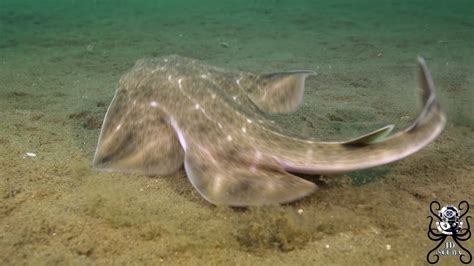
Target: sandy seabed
{"type": "Point", "coordinates": [60, 63]}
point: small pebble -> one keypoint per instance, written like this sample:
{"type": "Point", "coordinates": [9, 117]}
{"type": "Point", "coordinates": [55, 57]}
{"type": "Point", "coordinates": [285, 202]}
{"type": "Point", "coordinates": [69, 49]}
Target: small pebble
{"type": "Point", "coordinates": [224, 44]}
{"type": "Point", "coordinates": [300, 211]}
{"type": "Point", "coordinates": [30, 154]}
{"type": "Point", "coordinates": [90, 48]}
{"type": "Point", "coordinates": [388, 247]}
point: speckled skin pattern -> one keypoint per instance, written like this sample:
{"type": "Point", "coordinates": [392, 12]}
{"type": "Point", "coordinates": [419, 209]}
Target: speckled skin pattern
{"type": "Point", "coordinates": [173, 110]}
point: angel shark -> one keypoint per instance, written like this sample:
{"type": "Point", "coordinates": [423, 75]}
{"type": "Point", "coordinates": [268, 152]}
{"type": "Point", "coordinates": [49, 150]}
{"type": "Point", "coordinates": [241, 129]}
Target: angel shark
{"type": "Point", "coordinates": [172, 110]}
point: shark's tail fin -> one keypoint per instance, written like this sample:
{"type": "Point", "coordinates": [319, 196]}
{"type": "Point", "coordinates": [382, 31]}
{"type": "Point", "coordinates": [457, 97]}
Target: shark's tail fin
{"type": "Point", "coordinates": [431, 114]}
{"type": "Point", "coordinates": [428, 126]}
{"type": "Point", "coordinates": [431, 108]}
{"type": "Point", "coordinates": [431, 120]}
{"type": "Point", "coordinates": [375, 148]}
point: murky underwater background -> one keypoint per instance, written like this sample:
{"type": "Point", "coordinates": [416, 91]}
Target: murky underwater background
{"type": "Point", "coordinates": [59, 65]}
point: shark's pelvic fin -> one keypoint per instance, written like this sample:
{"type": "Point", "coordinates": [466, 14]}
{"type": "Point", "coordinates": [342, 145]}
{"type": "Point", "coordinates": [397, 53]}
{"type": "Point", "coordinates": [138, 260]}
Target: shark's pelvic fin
{"type": "Point", "coordinates": [225, 179]}
{"type": "Point", "coordinates": [280, 92]}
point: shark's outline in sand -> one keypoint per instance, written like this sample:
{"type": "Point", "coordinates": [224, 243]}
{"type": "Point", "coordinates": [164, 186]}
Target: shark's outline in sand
{"type": "Point", "coordinates": [173, 110]}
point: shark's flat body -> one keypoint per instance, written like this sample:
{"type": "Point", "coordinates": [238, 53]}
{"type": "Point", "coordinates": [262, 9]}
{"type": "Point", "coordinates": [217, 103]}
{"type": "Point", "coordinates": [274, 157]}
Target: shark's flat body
{"type": "Point", "coordinates": [174, 110]}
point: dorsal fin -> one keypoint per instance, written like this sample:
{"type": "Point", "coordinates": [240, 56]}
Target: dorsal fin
{"type": "Point", "coordinates": [279, 92]}
{"type": "Point", "coordinates": [370, 138]}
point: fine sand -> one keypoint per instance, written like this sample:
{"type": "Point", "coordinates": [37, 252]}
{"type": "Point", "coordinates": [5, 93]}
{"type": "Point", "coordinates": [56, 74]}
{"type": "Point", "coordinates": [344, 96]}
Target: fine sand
{"type": "Point", "coordinates": [59, 65]}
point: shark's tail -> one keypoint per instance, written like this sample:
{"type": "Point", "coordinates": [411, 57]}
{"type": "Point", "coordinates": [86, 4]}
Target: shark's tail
{"type": "Point", "coordinates": [375, 148]}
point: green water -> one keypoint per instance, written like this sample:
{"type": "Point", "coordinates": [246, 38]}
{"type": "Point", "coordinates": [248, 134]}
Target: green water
{"type": "Point", "coordinates": [60, 62]}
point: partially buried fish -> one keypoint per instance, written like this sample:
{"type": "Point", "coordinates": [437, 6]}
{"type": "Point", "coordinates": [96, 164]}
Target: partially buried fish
{"type": "Point", "coordinates": [173, 110]}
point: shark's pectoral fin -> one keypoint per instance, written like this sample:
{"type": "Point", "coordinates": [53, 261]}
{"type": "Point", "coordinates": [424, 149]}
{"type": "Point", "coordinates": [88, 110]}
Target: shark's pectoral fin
{"type": "Point", "coordinates": [137, 140]}
{"type": "Point", "coordinates": [279, 92]}
{"type": "Point", "coordinates": [370, 138]}
{"type": "Point", "coordinates": [224, 180]}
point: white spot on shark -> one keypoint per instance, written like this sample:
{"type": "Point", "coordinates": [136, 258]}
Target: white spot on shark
{"type": "Point", "coordinates": [253, 168]}
{"type": "Point", "coordinates": [256, 159]}
{"type": "Point", "coordinates": [181, 138]}
{"type": "Point", "coordinates": [218, 180]}
{"type": "Point", "coordinates": [208, 154]}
